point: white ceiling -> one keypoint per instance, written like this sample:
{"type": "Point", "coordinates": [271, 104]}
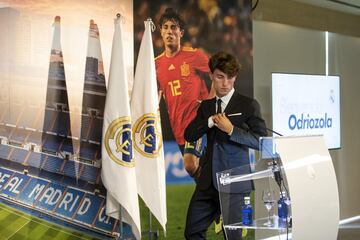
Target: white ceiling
{"type": "Point", "coordinates": [348, 6]}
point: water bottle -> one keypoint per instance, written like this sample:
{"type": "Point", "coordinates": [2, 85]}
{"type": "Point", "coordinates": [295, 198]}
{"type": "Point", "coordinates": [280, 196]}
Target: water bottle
{"type": "Point", "coordinates": [283, 209]}
{"type": "Point", "coordinates": [247, 212]}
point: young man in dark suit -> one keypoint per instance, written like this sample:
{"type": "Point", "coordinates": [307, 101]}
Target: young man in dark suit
{"type": "Point", "coordinates": [233, 124]}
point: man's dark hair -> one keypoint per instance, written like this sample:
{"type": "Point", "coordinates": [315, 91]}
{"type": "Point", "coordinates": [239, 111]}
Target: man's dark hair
{"type": "Point", "coordinates": [226, 63]}
{"type": "Point", "coordinates": [171, 15]}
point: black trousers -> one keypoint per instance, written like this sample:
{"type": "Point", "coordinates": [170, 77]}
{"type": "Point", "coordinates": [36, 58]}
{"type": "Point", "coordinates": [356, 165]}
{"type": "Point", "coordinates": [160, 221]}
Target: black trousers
{"type": "Point", "coordinates": [204, 208]}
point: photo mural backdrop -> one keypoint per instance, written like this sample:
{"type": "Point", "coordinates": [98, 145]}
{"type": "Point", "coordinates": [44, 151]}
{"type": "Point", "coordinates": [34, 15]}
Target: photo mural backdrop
{"type": "Point", "coordinates": [54, 65]}
{"type": "Point", "coordinates": [210, 26]}
{"type": "Point", "coordinates": [53, 72]}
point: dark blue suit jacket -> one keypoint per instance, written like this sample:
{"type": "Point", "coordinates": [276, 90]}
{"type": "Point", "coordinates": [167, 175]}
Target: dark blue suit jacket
{"type": "Point", "coordinates": [222, 151]}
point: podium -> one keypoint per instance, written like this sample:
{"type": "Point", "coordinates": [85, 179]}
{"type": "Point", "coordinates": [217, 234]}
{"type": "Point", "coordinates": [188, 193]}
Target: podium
{"type": "Point", "coordinates": [302, 168]}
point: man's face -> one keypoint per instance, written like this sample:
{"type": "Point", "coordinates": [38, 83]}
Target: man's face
{"type": "Point", "coordinates": [171, 34]}
{"type": "Point", "coordinates": [221, 83]}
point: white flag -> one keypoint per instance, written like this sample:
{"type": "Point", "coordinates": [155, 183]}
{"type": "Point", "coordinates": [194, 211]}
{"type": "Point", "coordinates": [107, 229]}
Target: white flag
{"type": "Point", "coordinates": [147, 137]}
{"type": "Point", "coordinates": [118, 166]}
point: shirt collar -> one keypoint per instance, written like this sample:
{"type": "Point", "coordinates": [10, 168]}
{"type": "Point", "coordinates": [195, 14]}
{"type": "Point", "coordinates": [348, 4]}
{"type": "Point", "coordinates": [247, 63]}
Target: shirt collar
{"type": "Point", "coordinates": [225, 99]}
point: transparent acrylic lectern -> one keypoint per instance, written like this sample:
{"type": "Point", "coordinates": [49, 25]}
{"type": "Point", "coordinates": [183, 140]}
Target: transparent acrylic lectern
{"type": "Point", "coordinates": [298, 170]}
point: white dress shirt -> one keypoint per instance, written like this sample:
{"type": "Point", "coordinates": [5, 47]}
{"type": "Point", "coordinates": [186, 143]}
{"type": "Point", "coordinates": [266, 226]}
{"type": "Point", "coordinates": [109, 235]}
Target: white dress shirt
{"type": "Point", "coordinates": [224, 102]}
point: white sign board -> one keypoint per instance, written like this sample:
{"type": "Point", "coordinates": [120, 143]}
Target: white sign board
{"type": "Point", "coordinates": [307, 105]}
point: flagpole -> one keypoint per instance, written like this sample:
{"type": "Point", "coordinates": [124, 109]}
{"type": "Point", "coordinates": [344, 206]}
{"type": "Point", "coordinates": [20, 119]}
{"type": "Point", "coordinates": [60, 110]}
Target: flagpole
{"type": "Point", "coordinates": [150, 224]}
{"type": "Point", "coordinates": [121, 225]}
{"type": "Point", "coordinates": [151, 233]}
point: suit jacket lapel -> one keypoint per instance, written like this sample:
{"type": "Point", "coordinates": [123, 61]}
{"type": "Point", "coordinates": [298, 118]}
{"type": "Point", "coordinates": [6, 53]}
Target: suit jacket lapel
{"type": "Point", "coordinates": [212, 106]}
{"type": "Point", "coordinates": [233, 104]}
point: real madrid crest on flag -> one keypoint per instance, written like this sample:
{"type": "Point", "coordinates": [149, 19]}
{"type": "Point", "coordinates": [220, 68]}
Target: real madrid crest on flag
{"type": "Point", "coordinates": [118, 141]}
{"type": "Point", "coordinates": [118, 165]}
{"type": "Point", "coordinates": [147, 136]}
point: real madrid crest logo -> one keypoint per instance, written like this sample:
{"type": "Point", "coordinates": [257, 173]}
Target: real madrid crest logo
{"type": "Point", "coordinates": [146, 135]}
{"type": "Point", "coordinates": [118, 142]}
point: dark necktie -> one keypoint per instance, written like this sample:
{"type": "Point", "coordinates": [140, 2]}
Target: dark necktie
{"type": "Point", "coordinates": [219, 110]}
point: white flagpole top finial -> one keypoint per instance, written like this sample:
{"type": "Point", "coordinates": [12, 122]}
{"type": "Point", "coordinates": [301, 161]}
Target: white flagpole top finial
{"type": "Point", "coordinates": [152, 25]}
{"type": "Point", "coordinates": [119, 18]}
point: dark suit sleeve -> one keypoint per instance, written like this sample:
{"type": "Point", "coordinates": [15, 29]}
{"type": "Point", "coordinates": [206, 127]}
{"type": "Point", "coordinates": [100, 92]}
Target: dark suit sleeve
{"type": "Point", "coordinates": [251, 130]}
{"type": "Point", "coordinates": [198, 126]}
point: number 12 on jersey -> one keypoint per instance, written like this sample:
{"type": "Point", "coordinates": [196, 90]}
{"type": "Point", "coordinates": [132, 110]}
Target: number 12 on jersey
{"type": "Point", "coordinates": [175, 87]}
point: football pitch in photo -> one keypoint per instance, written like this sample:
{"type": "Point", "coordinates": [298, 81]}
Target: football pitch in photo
{"type": "Point", "coordinates": [15, 224]}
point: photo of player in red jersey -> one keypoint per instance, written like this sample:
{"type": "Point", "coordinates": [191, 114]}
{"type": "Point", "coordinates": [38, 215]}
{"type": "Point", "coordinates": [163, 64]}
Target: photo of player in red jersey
{"type": "Point", "coordinates": [180, 72]}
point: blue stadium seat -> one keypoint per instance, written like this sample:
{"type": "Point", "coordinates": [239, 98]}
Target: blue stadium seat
{"type": "Point", "coordinates": [19, 135]}
{"type": "Point", "coordinates": [52, 143]}
{"type": "Point", "coordinates": [85, 127]}
{"type": "Point", "coordinates": [6, 131]}
{"type": "Point", "coordinates": [91, 212]}
{"type": "Point", "coordinates": [19, 155]}
{"type": "Point", "coordinates": [70, 202]}
{"type": "Point", "coordinates": [29, 194]}
{"type": "Point", "coordinates": [45, 200]}
{"type": "Point", "coordinates": [4, 151]}
{"type": "Point", "coordinates": [62, 124]}
{"type": "Point", "coordinates": [38, 124]}
{"type": "Point", "coordinates": [36, 159]}
{"type": "Point", "coordinates": [96, 130]}
{"type": "Point", "coordinates": [53, 164]}
{"type": "Point", "coordinates": [89, 151]}
{"type": "Point", "coordinates": [103, 221]}
{"type": "Point", "coordinates": [49, 119]}
{"type": "Point", "coordinates": [72, 169]}
{"type": "Point", "coordinates": [19, 180]}
{"type": "Point", "coordinates": [67, 145]}
{"type": "Point", "coordinates": [35, 137]}
{"type": "Point", "coordinates": [90, 173]}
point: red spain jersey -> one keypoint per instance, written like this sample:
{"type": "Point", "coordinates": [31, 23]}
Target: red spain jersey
{"type": "Point", "coordinates": [182, 87]}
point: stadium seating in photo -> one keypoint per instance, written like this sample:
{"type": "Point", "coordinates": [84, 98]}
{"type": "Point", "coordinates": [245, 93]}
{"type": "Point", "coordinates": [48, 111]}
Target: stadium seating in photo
{"type": "Point", "coordinates": [90, 173]}
{"type": "Point", "coordinates": [49, 119]}
{"type": "Point", "coordinates": [4, 106]}
{"type": "Point", "coordinates": [72, 169]}
{"type": "Point", "coordinates": [28, 117]}
{"type": "Point", "coordinates": [77, 183]}
{"type": "Point", "coordinates": [55, 95]}
{"type": "Point", "coordinates": [70, 203]}
{"type": "Point", "coordinates": [35, 137]}
{"type": "Point", "coordinates": [19, 155]}
{"type": "Point", "coordinates": [56, 199]}
{"type": "Point", "coordinates": [5, 151]}
{"type": "Point", "coordinates": [67, 145]}
{"type": "Point", "coordinates": [49, 197]}
{"type": "Point", "coordinates": [62, 124]}
{"type": "Point", "coordinates": [14, 184]}
{"type": "Point", "coordinates": [92, 101]}
{"type": "Point", "coordinates": [89, 151]}
{"type": "Point", "coordinates": [52, 143]}
{"type": "Point", "coordinates": [105, 222]}
{"type": "Point", "coordinates": [52, 163]}
{"type": "Point", "coordinates": [96, 130]}
{"type": "Point", "coordinates": [6, 131]}
{"type": "Point", "coordinates": [14, 113]}
{"type": "Point", "coordinates": [85, 127]}
{"type": "Point", "coordinates": [35, 159]}
{"type": "Point", "coordinates": [92, 201]}
{"type": "Point", "coordinates": [39, 122]}
{"type": "Point", "coordinates": [19, 135]}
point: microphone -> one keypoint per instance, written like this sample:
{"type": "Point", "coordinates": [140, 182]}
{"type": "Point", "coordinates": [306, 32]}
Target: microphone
{"type": "Point", "coordinates": [273, 131]}
{"type": "Point", "coordinates": [275, 167]}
